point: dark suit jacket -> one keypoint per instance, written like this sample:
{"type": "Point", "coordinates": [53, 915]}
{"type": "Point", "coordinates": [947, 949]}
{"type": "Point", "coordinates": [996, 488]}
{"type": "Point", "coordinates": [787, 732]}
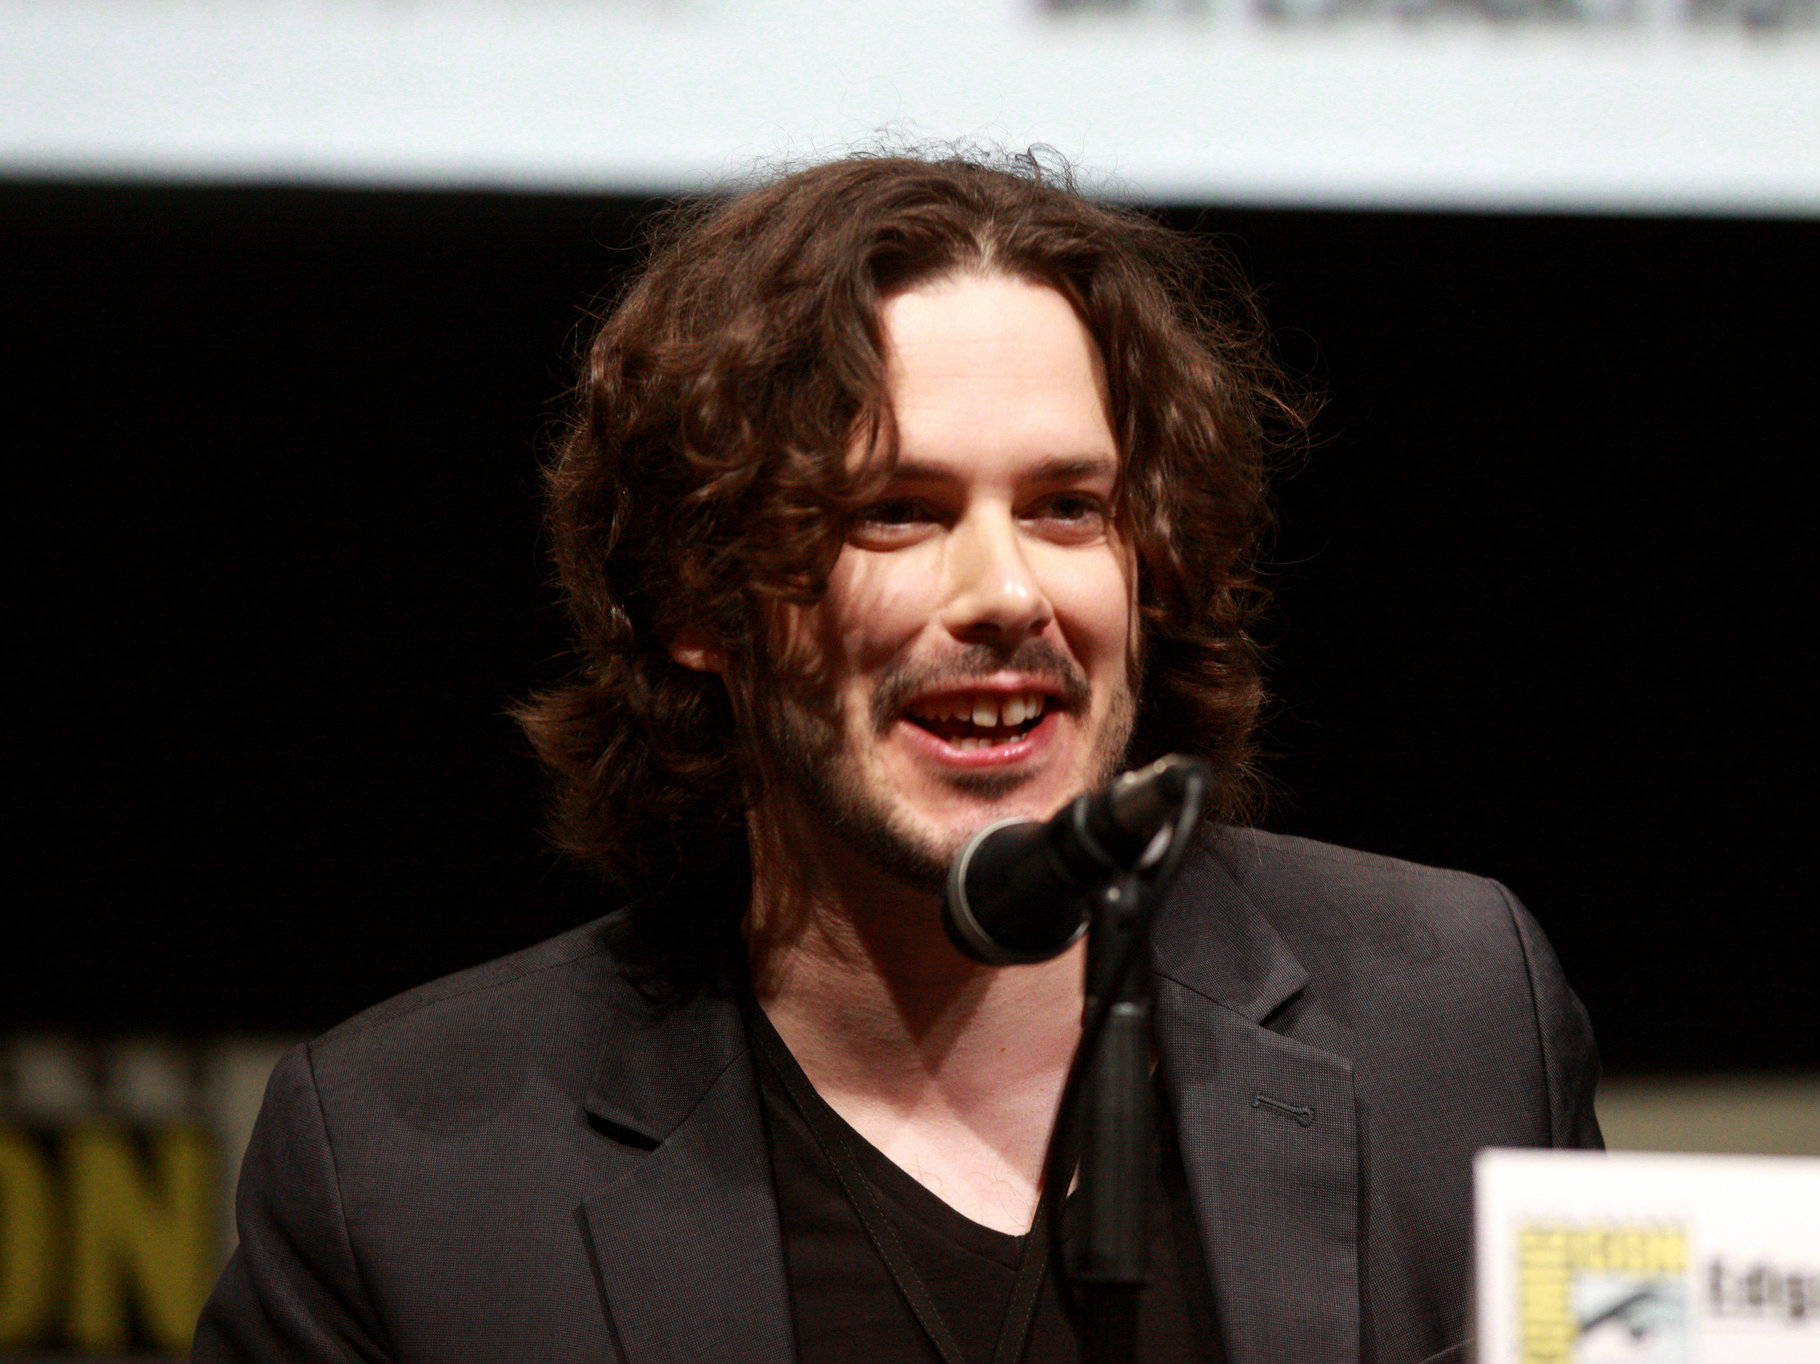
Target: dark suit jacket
{"type": "Point", "coordinates": [520, 1163]}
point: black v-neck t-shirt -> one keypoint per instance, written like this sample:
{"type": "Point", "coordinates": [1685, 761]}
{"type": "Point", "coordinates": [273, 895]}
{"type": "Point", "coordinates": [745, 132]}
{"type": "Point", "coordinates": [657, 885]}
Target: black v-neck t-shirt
{"type": "Point", "coordinates": [848, 1309]}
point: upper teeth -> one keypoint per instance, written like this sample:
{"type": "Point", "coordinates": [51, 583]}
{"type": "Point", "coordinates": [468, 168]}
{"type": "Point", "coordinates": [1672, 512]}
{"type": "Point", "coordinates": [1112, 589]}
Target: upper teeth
{"type": "Point", "coordinates": [988, 710]}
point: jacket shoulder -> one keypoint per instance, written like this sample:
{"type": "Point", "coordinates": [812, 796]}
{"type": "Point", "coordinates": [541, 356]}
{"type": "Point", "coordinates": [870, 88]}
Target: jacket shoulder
{"type": "Point", "coordinates": [463, 1049]}
{"type": "Point", "coordinates": [583, 952]}
{"type": "Point", "coordinates": [411, 1186]}
{"type": "Point", "coordinates": [1397, 950]}
{"type": "Point", "coordinates": [1262, 861]}
{"type": "Point", "coordinates": [1325, 898]}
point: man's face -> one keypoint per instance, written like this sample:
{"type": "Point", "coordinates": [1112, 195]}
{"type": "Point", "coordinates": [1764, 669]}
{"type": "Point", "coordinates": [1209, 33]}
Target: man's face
{"type": "Point", "coordinates": [975, 652]}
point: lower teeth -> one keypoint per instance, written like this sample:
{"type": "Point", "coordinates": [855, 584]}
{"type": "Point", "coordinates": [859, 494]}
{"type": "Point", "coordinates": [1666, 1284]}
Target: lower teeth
{"type": "Point", "coordinates": [970, 743]}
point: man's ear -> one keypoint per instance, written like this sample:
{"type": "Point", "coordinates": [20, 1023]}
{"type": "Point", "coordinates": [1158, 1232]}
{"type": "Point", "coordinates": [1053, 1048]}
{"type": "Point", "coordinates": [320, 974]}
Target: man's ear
{"type": "Point", "coordinates": [690, 647]}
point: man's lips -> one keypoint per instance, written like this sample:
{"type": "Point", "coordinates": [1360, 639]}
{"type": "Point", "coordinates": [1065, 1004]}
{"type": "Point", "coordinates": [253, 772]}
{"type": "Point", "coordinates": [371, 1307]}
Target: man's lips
{"type": "Point", "coordinates": [917, 692]}
{"type": "Point", "coordinates": [980, 709]}
{"type": "Point", "coordinates": [964, 744]}
{"type": "Point", "coordinates": [976, 718]}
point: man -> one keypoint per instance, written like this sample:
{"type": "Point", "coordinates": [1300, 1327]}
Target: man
{"type": "Point", "coordinates": [901, 497]}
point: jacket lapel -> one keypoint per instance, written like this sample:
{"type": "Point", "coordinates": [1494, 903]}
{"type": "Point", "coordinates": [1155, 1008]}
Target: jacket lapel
{"type": "Point", "coordinates": [1268, 1131]}
{"type": "Point", "coordinates": [686, 1242]}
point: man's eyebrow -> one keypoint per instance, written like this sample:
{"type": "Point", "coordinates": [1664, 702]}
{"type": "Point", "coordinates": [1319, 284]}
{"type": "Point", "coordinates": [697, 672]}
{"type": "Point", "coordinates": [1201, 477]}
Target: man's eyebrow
{"type": "Point", "coordinates": [1065, 467]}
{"type": "Point", "coordinates": [1057, 469]}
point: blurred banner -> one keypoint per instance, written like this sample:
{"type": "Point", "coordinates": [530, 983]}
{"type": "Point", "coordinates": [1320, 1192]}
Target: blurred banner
{"type": "Point", "coordinates": [117, 1169]}
{"type": "Point", "coordinates": [1674, 106]}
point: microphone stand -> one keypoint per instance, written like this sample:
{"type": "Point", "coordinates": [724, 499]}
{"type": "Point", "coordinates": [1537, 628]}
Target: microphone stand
{"type": "Point", "coordinates": [1106, 1260]}
{"type": "Point", "coordinates": [1105, 1120]}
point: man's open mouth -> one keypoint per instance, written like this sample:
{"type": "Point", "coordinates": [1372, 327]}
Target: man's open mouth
{"type": "Point", "coordinates": [979, 719]}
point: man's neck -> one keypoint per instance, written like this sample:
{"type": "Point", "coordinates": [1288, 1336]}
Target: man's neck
{"type": "Point", "coordinates": [950, 1068]}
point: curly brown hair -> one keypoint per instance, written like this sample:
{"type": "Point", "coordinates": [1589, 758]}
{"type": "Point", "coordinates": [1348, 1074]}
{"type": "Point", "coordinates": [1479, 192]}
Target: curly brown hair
{"type": "Point", "coordinates": [706, 469]}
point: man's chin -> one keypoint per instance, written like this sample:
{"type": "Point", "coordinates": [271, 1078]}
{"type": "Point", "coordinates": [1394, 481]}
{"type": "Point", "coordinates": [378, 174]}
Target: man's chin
{"type": "Point", "coordinates": [987, 785]}
{"type": "Point", "coordinates": [919, 854]}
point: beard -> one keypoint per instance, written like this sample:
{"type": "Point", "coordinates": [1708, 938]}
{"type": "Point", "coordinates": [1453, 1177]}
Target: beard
{"type": "Point", "coordinates": [801, 732]}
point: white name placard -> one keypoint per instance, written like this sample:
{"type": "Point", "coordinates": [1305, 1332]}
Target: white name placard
{"type": "Point", "coordinates": [1588, 1257]}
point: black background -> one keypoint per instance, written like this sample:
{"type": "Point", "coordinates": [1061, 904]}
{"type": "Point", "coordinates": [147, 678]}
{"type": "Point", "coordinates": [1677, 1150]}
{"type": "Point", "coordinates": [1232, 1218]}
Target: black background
{"type": "Point", "coordinates": [274, 575]}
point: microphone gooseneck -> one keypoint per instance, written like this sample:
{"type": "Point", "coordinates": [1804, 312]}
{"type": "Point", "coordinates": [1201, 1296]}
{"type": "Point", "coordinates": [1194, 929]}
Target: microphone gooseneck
{"type": "Point", "coordinates": [1018, 891]}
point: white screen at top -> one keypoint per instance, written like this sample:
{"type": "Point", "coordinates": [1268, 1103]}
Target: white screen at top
{"type": "Point", "coordinates": [1704, 106]}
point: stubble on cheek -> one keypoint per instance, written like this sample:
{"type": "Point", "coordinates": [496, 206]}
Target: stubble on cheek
{"type": "Point", "coordinates": [808, 762]}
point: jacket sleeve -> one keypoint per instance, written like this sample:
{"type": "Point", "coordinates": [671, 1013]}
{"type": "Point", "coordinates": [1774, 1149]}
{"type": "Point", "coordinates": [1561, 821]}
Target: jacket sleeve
{"type": "Point", "coordinates": [292, 1291]}
{"type": "Point", "coordinates": [1570, 1057]}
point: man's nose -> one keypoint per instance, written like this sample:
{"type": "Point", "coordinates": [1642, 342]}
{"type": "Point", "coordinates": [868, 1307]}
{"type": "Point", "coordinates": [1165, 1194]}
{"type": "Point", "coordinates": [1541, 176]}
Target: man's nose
{"type": "Point", "coordinates": [993, 594]}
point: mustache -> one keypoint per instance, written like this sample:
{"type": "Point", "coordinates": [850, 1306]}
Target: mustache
{"type": "Point", "coordinates": [1037, 659]}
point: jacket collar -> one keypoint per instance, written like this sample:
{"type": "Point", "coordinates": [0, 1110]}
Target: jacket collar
{"type": "Point", "coordinates": [655, 1064]}
{"type": "Point", "coordinates": [1210, 937]}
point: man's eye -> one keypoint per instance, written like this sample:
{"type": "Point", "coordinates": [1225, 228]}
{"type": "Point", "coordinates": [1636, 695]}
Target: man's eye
{"type": "Point", "coordinates": [899, 511]}
{"type": "Point", "coordinates": [1073, 508]}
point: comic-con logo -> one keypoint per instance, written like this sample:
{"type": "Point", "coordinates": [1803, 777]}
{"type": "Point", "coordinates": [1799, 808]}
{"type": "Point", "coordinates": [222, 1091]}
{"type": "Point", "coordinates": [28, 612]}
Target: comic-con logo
{"type": "Point", "coordinates": [1597, 1293]}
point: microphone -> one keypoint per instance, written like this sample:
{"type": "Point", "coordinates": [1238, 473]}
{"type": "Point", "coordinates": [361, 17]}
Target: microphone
{"type": "Point", "coordinates": [1018, 890]}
